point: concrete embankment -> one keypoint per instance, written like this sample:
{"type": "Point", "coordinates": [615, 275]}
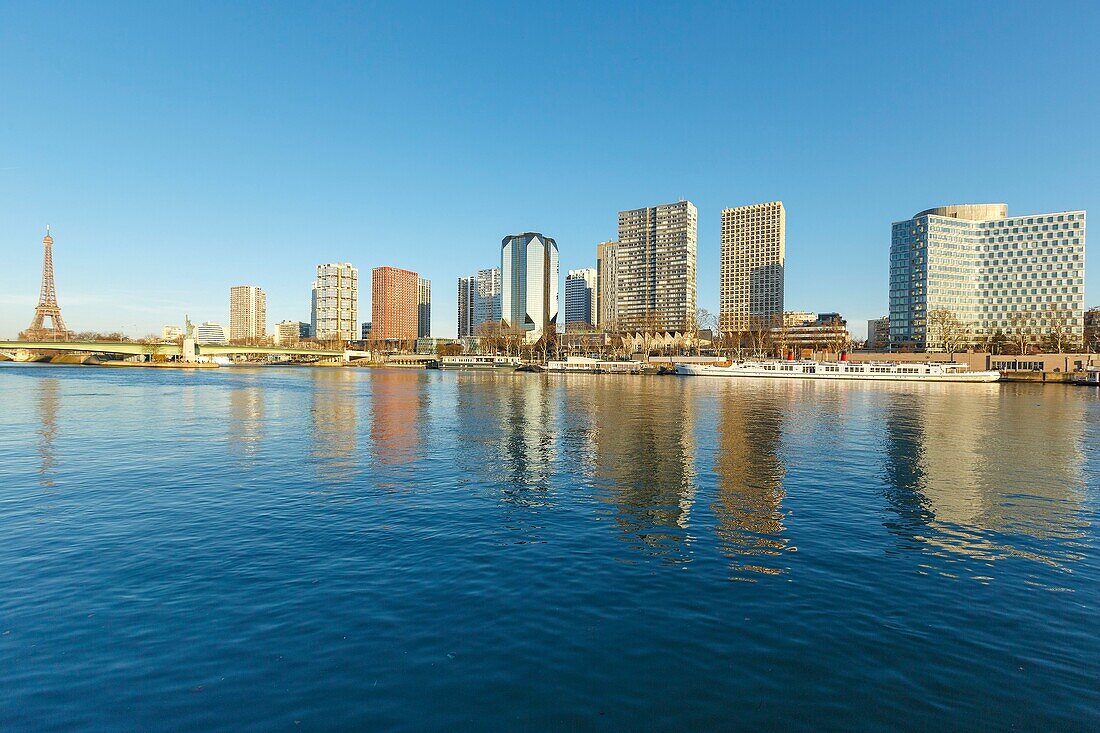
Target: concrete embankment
{"type": "Point", "coordinates": [1041, 377]}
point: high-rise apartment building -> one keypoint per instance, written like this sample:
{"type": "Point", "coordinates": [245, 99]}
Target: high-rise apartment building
{"type": "Point", "coordinates": [752, 260]}
{"type": "Point", "coordinates": [478, 301]}
{"type": "Point", "coordinates": [580, 299]}
{"type": "Point", "coordinates": [247, 313]}
{"type": "Point", "coordinates": [529, 284]}
{"type": "Point", "coordinates": [606, 273]}
{"type": "Point", "coordinates": [655, 287]}
{"type": "Point", "coordinates": [336, 302]}
{"type": "Point", "coordinates": [487, 303]}
{"type": "Point", "coordinates": [395, 298]}
{"type": "Point", "coordinates": [992, 272]}
{"type": "Point", "coordinates": [467, 292]}
{"type": "Point", "coordinates": [424, 308]}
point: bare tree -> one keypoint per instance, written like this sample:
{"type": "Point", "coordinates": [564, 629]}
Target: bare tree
{"type": "Point", "coordinates": [1060, 335]}
{"type": "Point", "coordinates": [760, 335]}
{"type": "Point", "coordinates": [947, 331]}
{"type": "Point", "coordinates": [1021, 331]}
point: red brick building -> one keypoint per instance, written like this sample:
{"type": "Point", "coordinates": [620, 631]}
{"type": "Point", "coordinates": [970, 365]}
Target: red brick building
{"type": "Point", "coordinates": [394, 300]}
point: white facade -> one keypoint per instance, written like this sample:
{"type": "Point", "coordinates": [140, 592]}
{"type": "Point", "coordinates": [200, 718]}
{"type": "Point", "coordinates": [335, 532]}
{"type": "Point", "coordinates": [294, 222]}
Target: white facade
{"type": "Point", "coordinates": [336, 302]}
{"type": "Point", "coordinates": [752, 261]}
{"type": "Point", "coordinates": [529, 284]}
{"type": "Point", "coordinates": [478, 301]}
{"type": "Point", "coordinates": [290, 332]}
{"type": "Point", "coordinates": [580, 299]}
{"type": "Point", "coordinates": [210, 333]}
{"type": "Point", "coordinates": [655, 283]}
{"type": "Point", "coordinates": [487, 301]}
{"type": "Point", "coordinates": [994, 272]}
{"type": "Point", "coordinates": [171, 332]}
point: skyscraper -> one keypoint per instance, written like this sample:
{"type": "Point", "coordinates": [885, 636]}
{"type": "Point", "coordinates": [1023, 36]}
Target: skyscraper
{"type": "Point", "coordinates": [247, 313]}
{"type": "Point", "coordinates": [753, 255]}
{"type": "Point", "coordinates": [487, 302]}
{"type": "Point", "coordinates": [606, 274]}
{"type": "Point", "coordinates": [467, 292]}
{"type": "Point", "coordinates": [529, 284]}
{"type": "Point", "coordinates": [395, 310]}
{"type": "Point", "coordinates": [580, 299]}
{"type": "Point", "coordinates": [424, 308]}
{"type": "Point", "coordinates": [990, 271]}
{"type": "Point", "coordinates": [478, 301]}
{"type": "Point", "coordinates": [336, 302]}
{"type": "Point", "coordinates": [655, 287]}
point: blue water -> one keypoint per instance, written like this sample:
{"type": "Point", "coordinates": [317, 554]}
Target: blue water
{"type": "Point", "coordinates": [263, 549]}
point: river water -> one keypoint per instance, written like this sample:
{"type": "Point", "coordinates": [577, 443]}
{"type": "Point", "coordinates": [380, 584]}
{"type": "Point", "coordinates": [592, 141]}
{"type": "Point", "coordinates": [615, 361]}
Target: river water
{"type": "Point", "coordinates": [280, 548]}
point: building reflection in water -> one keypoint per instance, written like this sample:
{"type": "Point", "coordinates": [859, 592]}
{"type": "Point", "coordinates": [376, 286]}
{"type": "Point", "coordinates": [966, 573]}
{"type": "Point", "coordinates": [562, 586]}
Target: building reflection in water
{"type": "Point", "coordinates": [246, 419]}
{"type": "Point", "coordinates": [748, 507]}
{"type": "Point", "coordinates": [987, 471]}
{"type": "Point", "coordinates": [506, 424]}
{"type": "Point", "coordinates": [645, 453]}
{"type": "Point", "coordinates": [399, 421]}
{"type": "Point", "coordinates": [47, 430]}
{"type": "Point", "coordinates": [334, 416]}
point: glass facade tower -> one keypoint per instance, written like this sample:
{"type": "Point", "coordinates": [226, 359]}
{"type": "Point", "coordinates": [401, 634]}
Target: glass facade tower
{"type": "Point", "coordinates": [995, 273]}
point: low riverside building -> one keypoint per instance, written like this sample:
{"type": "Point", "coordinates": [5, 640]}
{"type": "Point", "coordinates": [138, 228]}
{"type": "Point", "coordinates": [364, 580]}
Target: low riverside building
{"type": "Point", "coordinates": [826, 331]}
{"type": "Point", "coordinates": [290, 332]}
{"type": "Point", "coordinates": [429, 345]}
{"type": "Point", "coordinates": [210, 333]}
{"type": "Point", "coordinates": [1028, 367]}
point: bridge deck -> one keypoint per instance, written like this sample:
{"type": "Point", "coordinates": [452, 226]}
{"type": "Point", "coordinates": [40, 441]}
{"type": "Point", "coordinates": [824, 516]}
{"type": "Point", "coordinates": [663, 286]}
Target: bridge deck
{"type": "Point", "coordinates": [132, 348]}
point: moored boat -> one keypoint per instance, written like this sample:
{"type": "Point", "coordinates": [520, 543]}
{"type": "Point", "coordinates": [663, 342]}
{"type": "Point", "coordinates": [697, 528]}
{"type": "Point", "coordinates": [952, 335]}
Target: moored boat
{"type": "Point", "coordinates": [479, 362]}
{"type": "Point", "coordinates": [1088, 378]}
{"type": "Point", "coordinates": [866, 371]}
{"type": "Point", "coordinates": [586, 365]}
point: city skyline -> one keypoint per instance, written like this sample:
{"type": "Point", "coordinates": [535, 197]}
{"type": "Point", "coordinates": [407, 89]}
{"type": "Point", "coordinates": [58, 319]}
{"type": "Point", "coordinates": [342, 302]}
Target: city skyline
{"type": "Point", "coordinates": [215, 197]}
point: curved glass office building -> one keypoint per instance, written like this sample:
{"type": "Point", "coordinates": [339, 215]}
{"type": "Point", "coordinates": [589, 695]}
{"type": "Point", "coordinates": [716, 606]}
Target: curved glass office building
{"type": "Point", "coordinates": [529, 287]}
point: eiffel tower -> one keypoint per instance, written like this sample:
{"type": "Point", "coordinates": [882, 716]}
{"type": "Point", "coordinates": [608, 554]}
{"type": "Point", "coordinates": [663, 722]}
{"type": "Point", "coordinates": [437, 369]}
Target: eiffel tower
{"type": "Point", "coordinates": [47, 303]}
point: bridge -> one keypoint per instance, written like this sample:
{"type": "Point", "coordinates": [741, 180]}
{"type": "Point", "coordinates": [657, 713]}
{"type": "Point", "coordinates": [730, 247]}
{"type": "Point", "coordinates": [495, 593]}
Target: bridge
{"type": "Point", "coordinates": [134, 348]}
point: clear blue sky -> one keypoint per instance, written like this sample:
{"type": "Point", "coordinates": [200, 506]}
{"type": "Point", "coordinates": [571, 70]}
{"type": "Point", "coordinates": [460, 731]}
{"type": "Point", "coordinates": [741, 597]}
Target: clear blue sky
{"type": "Point", "coordinates": [180, 149]}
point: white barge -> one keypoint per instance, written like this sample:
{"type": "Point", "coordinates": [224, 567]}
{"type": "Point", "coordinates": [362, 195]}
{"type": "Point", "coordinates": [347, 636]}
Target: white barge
{"type": "Point", "coordinates": [866, 371]}
{"type": "Point", "coordinates": [479, 361]}
{"type": "Point", "coordinates": [586, 365]}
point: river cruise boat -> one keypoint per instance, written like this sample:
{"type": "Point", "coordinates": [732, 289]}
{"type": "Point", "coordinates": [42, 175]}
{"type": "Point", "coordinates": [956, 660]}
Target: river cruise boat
{"type": "Point", "coordinates": [479, 361]}
{"type": "Point", "coordinates": [866, 371]}
{"type": "Point", "coordinates": [586, 365]}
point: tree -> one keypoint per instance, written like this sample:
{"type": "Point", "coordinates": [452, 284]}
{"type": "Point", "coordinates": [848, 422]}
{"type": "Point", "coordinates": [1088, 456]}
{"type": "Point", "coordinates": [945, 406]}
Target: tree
{"type": "Point", "coordinates": [997, 342]}
{"type": "Point", "coordinates": [946, 331]}
{"type": "Point", "coordinates": [837, 339]}
{"type": "Point", "coordinates": [1060, 335]}
{"type": "Point", "coordinates": [1021, 331]}
{"type": "Point", "coordinates": [760, 335]}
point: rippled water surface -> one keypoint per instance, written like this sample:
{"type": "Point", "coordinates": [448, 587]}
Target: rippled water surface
{"type": "Point", "coordinates": [243, 549]}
